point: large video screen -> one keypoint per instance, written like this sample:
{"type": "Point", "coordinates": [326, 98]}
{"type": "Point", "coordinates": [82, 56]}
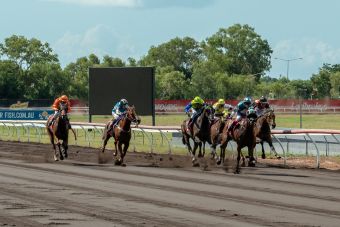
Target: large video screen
{"type": "Point", "coordinates": [109, 85]}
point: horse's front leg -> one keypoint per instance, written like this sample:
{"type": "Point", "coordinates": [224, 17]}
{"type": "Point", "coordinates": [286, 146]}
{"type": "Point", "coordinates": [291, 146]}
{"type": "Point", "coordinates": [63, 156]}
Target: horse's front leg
{"type": "Point", "coordinates": [65, 146]}
{"type": "Point", "coordinates": [126, 146]}
{"type": "Point", "coordinates": [263, 152]}
{"type": "Point", "coordinates": [118, 161]}
{"type": "Point", "coordinates": [252, 160]}
{"type": "Point", "coordinates": [60, 151]}
{"type": "Point", "coordinates": [238, 170]}
{"type": "Point", "coordinates": [193, 155]}
{"type": "Point", "coordinates": [55, 154]}
{"type": "Point", "coordinates": [200, 155]}
{"type": "Point", "coordinates": [272, 149]}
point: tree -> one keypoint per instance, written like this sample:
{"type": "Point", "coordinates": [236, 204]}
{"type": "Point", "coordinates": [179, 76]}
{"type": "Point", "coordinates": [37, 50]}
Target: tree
{"type": "Point", "coordinates": [178, 53]}
{"type": "Point", "coordinates": [109, 61]}
{"type": "Point", "coordinates": [238, 50]}
{"type": "Point", "coordinates": [335, 84]}
{"type": "Point", "coordinates": [78, 74]}
{"type": "Point", "coordinates": [321, 82]}
{"type": "Point", "coordinates": [9, 80]}
{"type": "Point", "coordinates": [172, 85]}
{"type": "Point", "coordinates": [46, 81]}
{"type": "Point", "coordinates": [27, 52]}
{"type": "Point", "coordinates": [94, 59]}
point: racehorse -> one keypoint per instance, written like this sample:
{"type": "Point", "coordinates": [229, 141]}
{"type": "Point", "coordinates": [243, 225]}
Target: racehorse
{"type": "Point", "coordinates": [244, 135]}
{"type": "Point", "coordinates": [59, 130]}
{"type": "Point", "coordinates": [121, 133]}
{"type": "Point", "coordinates": [215, 136]}
{"type": "Point", "coordinates": [263, 132]}
{"type": "Point", "coordinates": [199, 133]}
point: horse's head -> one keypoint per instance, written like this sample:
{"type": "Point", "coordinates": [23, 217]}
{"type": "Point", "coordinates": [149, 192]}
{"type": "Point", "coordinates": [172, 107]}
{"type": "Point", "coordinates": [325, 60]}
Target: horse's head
{"type": "Point", "coordinates": [63, 107]}
{"type": "Point", "coordinates": [132, 116]}
{"type": "Point", "coordinates": [270, 116]}
{"type": "Point", "coordinates": [208, 111]}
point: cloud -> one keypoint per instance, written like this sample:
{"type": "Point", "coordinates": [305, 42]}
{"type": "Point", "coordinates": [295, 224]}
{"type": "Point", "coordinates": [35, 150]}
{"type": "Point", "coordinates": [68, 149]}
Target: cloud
{"type": "Point", "coordinates": [314, 54]}
{"type": "Point", "coordinates": [311, 50]}
{"type": "Point", "coordinates": [112, 3]}
{"type": "Point", "coordinates": [100, 40]}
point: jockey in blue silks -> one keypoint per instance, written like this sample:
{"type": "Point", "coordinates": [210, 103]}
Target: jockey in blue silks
{"type": "Point", "coordinates": [118, 111]}
{"type": "Point", "coordinates": [241, 111]}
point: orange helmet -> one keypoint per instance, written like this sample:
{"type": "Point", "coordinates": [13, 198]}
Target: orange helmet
{"type": "Point", "coordinates": [64, 98]}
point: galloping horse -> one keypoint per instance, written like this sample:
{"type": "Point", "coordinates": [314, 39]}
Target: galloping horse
{"type": "Point", "coordinates": [215, 136]}
{"type": "Point", "coordinates": [244, 135]}
{"type": "Point", "coordinates": [200, 133]}
{"type": "Point", "coordinates": [59, 130]}
{"type": "Point", "coordinates": [263, 132]}
{"type": "Point", "coordinates": [121, 133]}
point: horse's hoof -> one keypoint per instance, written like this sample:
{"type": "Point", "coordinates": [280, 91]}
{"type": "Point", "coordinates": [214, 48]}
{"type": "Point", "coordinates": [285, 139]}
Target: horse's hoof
{"type": "Point", "coordinates": [251, 164]}
{"type": "Point", "coordinates": [219, 162]}
{"type": "Point", "coordinates": [195, 164]}
{"type": "Point", "coordinates": [263, 156]}
{"type": "Point", "coordinates": [118, 162]}
{"type": "Point", "coordinates": [237, 171]}
{"type": "Point", "coordinates": [61, 158]}
{"type": "Point", "coordinates": [123, 164]}
{"type": "Point", "coordinates": [66, 155]}
{"type": "Point", "coordinates": [278, 157]}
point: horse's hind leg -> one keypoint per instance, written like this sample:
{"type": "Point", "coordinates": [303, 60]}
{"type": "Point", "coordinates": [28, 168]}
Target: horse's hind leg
{"type": "Point", "coordinates": [200, 155]}
{"type": "Point", "coordinates": [55, 156]}
{"type": "Point", "coordinates": [105, 139]}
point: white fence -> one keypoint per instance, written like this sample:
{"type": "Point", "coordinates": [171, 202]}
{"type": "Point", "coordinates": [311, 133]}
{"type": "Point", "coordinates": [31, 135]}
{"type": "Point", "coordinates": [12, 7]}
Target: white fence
{"type": "Point", "coordinates": [168, 138]}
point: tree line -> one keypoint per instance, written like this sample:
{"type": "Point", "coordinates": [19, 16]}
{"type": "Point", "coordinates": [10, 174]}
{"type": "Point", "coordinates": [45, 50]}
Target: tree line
{"type": "Point", "coordinates": [230, 64]}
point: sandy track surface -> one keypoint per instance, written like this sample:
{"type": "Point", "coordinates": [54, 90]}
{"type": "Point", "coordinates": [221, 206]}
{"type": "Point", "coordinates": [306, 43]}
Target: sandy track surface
{"type": "Point", "coordinates": [157, 190]}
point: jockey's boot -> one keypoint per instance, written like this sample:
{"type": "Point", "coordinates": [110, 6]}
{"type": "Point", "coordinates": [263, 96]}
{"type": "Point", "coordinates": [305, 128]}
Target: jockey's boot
{"type": "Point", "coordinates": [189, 125]}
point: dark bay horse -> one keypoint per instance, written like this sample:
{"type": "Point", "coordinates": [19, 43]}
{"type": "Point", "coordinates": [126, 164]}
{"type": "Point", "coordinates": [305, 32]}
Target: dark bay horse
{"type": "Point", "coordinates": [244, 136]}
{"type": "Point", "coordinates": [59, 131]}
{"type": "Point", "coordinates": [262, 130]}
{"type": "Point", "coordinates": [199, 133]}
{"type": "Point", "coordinates": [121, 133]}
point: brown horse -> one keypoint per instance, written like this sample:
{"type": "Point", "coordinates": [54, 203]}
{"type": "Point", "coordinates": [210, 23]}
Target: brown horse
{"type": "Point", "coordinates": [199, 133]}
{"type": "Point", "coordinates": [121, 133]}
{"type": "Point", "coordinates": [262, 130]}
{"type": "Point", "coordinates": [216, 136]}
{"type": "Point", "coordinates": [244, 135]}
{"type": "Point", "coordinates": [59, 130]}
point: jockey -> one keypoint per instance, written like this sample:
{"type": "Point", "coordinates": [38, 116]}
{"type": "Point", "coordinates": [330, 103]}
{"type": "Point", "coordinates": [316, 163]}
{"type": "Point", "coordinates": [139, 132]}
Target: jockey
{"type": "Point", "coordinates": [118, 110]}
{"type": "Point", "coordinates": [258, 106]}
{"type": "Point", "coordinates": [264, 102]}
{"type": "Point", "coordinates": [251, 113]}
{"type": "Point", "coordinates": [229, 111]}
{"type": "Point", "coordinates": [220, 109]}
{"type": "Point", "coordinates": [195, 106]}
{"type": "Point", "coordinates": [241, 111]}
{"type": "Point", "coordinates": [56, 106]}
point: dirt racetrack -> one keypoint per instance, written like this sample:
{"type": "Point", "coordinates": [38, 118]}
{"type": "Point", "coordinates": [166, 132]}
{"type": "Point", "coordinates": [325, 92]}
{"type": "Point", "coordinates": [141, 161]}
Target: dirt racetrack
{"type": "Point", "coordinates": [157, 190]}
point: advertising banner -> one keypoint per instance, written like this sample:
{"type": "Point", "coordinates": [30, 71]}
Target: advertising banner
{"type": "Point", "coordinates": [25, 114]}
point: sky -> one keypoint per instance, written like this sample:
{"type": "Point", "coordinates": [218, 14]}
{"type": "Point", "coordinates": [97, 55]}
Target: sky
{"type": "Point", "coordinates": [307, 29]}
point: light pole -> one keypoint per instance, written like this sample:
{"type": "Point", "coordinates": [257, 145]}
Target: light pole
{"type": "Point", "coordinates": [288, 60]}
